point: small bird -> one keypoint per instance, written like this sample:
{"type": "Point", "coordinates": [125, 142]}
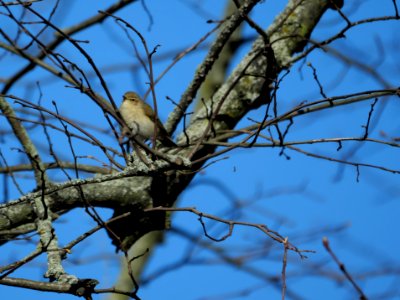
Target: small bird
{"type": "Point", "coordinates": [139, 116]}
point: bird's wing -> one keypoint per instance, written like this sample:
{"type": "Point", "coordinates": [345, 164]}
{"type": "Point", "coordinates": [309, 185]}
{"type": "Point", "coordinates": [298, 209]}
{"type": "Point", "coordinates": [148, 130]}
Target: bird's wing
{"type": "Point", "coordinates": [150, 113]}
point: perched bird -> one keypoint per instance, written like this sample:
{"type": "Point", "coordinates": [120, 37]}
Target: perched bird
{"type": "Point", "coordinates": [139, 116]}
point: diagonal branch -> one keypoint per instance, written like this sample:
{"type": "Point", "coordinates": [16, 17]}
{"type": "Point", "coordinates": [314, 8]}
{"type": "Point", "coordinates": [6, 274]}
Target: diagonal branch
{"type": "Point", "coordinates": [23, 137]}
{"type": "Point", "coordinates": [188, 96]}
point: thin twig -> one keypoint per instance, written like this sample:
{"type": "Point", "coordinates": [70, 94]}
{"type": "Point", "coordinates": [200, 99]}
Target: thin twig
{"type": "Point", "coordinates": [262, 227]}
{"type": "Point", "coordinates": [342, 268]}
{"type": "Point", "coordinates": [284, 264]}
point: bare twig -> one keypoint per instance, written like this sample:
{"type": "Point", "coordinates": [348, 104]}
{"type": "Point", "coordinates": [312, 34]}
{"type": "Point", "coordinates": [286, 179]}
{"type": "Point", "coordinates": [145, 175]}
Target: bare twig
{"type": "Point", "coordinates": [262, 227]}
{"type": "Point", "coordinates": [342, 268]}
{"type": "Point", "coordinates": [369, 118]}
{"type": "Point", "coordinates": [284, 264]}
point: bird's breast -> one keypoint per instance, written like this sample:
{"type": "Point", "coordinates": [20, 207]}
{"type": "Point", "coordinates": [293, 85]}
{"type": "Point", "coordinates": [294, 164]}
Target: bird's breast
{"type": "Point", "coordinates": [137, 121]}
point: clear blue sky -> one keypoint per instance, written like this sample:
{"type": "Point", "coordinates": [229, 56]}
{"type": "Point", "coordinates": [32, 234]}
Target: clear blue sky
{"type": "Point", "coordinates": [303, 198]}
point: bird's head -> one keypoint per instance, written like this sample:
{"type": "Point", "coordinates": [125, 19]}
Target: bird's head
{"type": "Point", "coordinates": [132, 96]}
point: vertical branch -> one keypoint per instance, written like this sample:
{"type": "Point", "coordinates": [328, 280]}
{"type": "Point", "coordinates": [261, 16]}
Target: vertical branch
{"type": "Point", "coordinates": [396, 10]}
{"type": "Point", "coordinates": [43, 222]}
{"type": "Point", "coordinates": [366, 126]}
{"type": "Point", "coordinates": [284, 264]}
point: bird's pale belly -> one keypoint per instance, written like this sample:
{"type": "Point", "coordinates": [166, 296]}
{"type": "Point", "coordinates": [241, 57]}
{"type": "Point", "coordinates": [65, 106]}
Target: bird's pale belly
{"type": "Point", "coordinates": [143, 127]}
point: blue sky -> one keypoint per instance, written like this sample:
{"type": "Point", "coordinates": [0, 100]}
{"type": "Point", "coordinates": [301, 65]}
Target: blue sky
{"type": "Point", "coordinates": [303, 198]}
